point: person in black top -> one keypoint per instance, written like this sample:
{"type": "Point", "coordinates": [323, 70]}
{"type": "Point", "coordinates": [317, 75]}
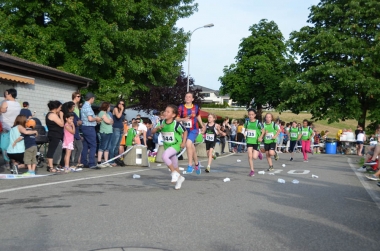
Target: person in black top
{"type": "Point", "coordinates": [118, 129]}
{"type": "Point", "coordinates": [25, 110]}
{"type": "Point", "coordinates": [54, 123]}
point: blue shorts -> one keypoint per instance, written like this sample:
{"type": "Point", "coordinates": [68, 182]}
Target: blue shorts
{"type": "Point", "coordinates": [192, 134]}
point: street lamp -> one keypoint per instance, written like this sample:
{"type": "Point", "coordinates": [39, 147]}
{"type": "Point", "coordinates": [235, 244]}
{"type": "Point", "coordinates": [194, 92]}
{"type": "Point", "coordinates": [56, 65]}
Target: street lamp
{"type": "Point", "coordinates": [188, 61]}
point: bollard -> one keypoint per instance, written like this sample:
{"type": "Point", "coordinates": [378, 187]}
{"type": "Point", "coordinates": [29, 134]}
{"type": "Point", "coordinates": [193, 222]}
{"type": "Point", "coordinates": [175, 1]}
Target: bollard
{"type": "Point", "coordinates": [137, 157]}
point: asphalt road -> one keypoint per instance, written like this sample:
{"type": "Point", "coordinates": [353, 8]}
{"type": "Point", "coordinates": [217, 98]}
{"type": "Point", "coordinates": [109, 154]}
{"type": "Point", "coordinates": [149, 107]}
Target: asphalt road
{"type": "Point", "coordinates": [109, 210]}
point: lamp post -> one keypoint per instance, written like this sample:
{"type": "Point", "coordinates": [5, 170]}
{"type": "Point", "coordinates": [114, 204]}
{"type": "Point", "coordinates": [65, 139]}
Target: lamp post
{"type": "Point", "coordinates": [188, 61]}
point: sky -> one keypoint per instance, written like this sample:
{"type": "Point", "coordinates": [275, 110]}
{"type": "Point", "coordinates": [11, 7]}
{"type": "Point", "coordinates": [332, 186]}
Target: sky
{"type": "Point", "coordinates": [216, 47]}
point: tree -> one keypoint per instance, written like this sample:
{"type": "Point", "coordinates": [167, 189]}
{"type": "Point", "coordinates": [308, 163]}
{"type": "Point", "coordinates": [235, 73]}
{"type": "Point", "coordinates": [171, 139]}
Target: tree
{"type": "Point", "coordinates": [339, 62]}
{"type": "Point", "coordinates": [260, 67]}
{"type": "Point", "coordinates": [158, 97]}
{"type": "Point", "coordinates": [123, 45]}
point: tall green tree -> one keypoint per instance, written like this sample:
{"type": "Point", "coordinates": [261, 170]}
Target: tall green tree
{"type": "Point", "coordinates": [260, 67]}
{"type": "Point", "coordinates": [338, 75]}
{"type": "Point", "coordinates": [121, 44]}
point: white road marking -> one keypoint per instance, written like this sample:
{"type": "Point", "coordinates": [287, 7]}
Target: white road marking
{"type": "Point", "coordinates": [366, 184]}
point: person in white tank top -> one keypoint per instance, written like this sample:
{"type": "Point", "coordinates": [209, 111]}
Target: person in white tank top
{"type": "Point", "coordinates": [9, 110]}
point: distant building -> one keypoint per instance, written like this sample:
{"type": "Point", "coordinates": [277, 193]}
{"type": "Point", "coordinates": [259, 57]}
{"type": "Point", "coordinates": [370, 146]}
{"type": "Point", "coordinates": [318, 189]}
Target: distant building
{"type": "Point", "coordinates": [37, 83]}
{"type": "Point", "coordinates": [213, 96]}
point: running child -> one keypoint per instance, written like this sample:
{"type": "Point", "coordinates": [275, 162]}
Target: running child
{"type": "Point", "coordinates": [293, 135]}
{"type": "Point", "coordinates": [271, 131]}
{"type": "Point", "coordinates": [305, 136]}
{"type": "Point", "coordinates": [188, 114]}
{"type": "Point", "coordinates": [211, 130]}
{"type": "Point", "coordinates": [68, 139]}
{"type": "Point", "coordinates": [174, 136]}
{"type": "Point", "coordinates": [254, 133]}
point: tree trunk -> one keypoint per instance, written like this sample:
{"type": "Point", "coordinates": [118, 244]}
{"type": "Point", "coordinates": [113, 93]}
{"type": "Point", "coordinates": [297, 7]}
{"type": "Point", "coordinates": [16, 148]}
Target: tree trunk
{"type": "Point", "coordinates": [259, 114]}
{"type": "Point", "coordinates": [361, 120]}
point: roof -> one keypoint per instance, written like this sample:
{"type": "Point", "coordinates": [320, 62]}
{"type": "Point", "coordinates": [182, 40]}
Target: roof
{"type": "Point", "coordinates": [205, 89]}
{"type": "Point", "coordinates": [13, 63]}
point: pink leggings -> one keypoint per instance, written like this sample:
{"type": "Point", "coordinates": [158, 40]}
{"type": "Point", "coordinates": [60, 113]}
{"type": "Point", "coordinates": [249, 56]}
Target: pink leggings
{"type": "Point", "coordinates": [305, 148]}
{"type": "Point", "coordinates": [170, 157]}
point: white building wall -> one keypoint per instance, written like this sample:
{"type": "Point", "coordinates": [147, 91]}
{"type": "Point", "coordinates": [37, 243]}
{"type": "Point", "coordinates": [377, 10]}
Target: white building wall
{"type": "Point", "coordinates": [39, 94]}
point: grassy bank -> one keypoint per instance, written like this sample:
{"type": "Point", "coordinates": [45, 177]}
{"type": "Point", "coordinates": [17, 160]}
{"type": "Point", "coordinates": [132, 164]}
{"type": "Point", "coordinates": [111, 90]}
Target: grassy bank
{"type": "Point", "coordinates": [321, 125]}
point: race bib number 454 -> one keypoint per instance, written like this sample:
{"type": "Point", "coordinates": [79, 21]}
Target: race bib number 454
{"type": "Point", "coordinates": [168, 137]}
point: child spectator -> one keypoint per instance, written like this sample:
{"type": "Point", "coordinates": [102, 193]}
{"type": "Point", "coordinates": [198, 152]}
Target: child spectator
{"type": "Point", "coordinates": [132, 135]}
{"type": "Point", "coordinates": [360, 142]}
{"type": "Point", "coordinates": [317, 139]}
{"type": "Point", "coordinates": [30, 148]}
{"type": "Point", "coordinates": [68, 139]}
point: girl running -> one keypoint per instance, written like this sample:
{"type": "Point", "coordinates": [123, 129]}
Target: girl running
{"type": "Point", "coordinates": [174, 136]}
{"type": "Point", "coordinates": [68, 139]}
{"type": "Point", "coordinates": [271, 133]}
{"type": "Point", "coordinates": [254, 133]}
{"type": "Point", "coordinates": [211, 130]}
{"type": "Point", "coordinates": [306, 135]}
{"type": "Point", "coordinates": [293, 135]}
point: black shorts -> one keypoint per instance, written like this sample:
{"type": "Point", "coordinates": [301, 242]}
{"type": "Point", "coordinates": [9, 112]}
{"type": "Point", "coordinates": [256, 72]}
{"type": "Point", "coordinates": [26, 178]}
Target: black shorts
{"type": "Point", "coordinates": [18, 157]}
{"type": "Point", "coordinates": [292, 146]}
{"type": "Point", "coordinates": [255, 146]}
{"type": "Point", "coordinates": [210, 144]}
{"type": "Point", "coordinates": [270, 146]}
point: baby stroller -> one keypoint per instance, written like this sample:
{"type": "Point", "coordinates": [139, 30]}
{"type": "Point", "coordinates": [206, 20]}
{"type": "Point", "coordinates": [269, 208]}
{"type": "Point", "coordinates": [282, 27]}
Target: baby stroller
{"type": "Point", "coordinates": [41, 140]}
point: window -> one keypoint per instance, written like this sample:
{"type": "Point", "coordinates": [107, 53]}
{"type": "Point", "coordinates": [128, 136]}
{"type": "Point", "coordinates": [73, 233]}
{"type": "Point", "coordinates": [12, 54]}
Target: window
{"type": "Point", "coordinates": [206, 95]}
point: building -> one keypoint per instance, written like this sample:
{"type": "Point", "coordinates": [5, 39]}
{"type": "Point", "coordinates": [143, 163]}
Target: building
{"type": "Point", "coordinates": [37, 83]}
{"type": "Point", "coordinates": [213, 96]}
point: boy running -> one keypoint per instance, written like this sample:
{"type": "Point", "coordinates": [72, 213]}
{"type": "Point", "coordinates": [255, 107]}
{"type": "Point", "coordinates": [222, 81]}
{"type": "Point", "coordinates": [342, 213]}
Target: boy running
{"type": "Point", "coordinates": [189, 115]}
{"type": "Point", "coordinates": [174, 136]}
{"type": "Point", "coordinates": [271, 131]}
{"type": "Point", "coordinates": [211, 130]}
{"type": "Point", "coordinates": [254, 133]}
{"type": "Point", "coordinates": [293, 135]}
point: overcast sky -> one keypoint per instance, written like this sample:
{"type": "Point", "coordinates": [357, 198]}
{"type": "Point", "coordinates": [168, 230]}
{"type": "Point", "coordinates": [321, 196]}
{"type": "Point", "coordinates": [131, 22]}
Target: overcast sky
{"type": "Point", "coordinates": [213, 48]}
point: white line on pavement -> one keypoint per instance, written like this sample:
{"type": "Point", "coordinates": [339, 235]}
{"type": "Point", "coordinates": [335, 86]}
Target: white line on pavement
{"type": "Point", "coordinates": [366, 184]}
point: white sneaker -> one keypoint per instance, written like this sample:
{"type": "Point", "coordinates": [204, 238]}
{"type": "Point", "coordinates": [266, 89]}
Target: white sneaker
{"type": "Point", "coordinates": [361, 169]}
{"type": "Point", "coordinates": [175, 176]}
{"type": "Point", "coordinates": [107, 165]}
{"type": "Point", "coordinates": [101, 165]}
{"type": "Point", "coordinates": [179, 183]}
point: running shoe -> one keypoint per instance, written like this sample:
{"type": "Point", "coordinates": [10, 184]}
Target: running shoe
{"type": "Point", "coordinates": [252, 173]}
{"type": "Point", "coordinates": [270, 168]}
{"type": "Point", "coordinates": [276, 156]}
{"type": "Point", "coordinates": [175, 176]}
{"type": "Point", "coordinates": [214, 155]}
{"type": "Point", "coordinates": [14, 169]}
{"type": "Point", "coordinates": [305, 161]}
{"type": "Point", "coordinates": [361, 169]}
{"type": "Point", "coordinates": [189, 169]}
{"type": "Point", "coordinates": [373, 177]}
{"type": "Point", "coordinates": [207, 170]}
{"type": "Point", "coordinates": [260, 155]}
{"type": "Point", "coordinates": [26, 174]}
{"type": "Point", "coordinates": [291, 159]}
{"type": "Point", "coordinates": [180, 180]}
{"type": "Point", "coordinates": [370, 163]}
{"type": "Point", "coordinates": [198, 169]}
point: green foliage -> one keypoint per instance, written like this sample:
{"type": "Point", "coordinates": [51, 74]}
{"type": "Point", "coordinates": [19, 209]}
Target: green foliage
{"type": "Point", "coordinates": [212, 105]}
{"type": "Point", "coordinates": [121, 44]}
{"type": "Point", "coordinates": [261, 65]}
{"type": "Point", "coordinates": [337, 77]}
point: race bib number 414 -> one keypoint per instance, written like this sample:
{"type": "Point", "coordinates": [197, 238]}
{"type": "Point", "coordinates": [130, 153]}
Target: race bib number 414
{"type": "Point", "coordinates": [269, 136]}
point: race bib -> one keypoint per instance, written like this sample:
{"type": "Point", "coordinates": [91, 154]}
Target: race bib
{"type": "Point", "coordinates": [305, 133]}
{"type": "Point", "coordinates": [168, 137]}
{"type": "Point", "coordinates": [293, 135]}
{"type": "Point", "coordinates": [188, 124]}
{"type": "Point", "coordinates": [210, 137]}
{"type": "Point", "coordinates": [251, 133]}
{"type": "Point", "coordinates": [269, 136]}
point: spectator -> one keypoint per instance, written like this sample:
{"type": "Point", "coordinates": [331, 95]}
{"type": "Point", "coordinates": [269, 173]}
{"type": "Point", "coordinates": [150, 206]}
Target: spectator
{"type": "Point", "coordinates": [227, 127]}
{"type": "Point", "coordinates": [117, 129]}
{"type": "Point", "coordinates": [8, 113]}
{"type": "Point", "coordinates": [149, 135]}
{"type": "Point", "coordinates": [280, 137]}
{"type": "Point", "coordinates": [89, 135]}
{"type": "Point", "coordinates": [142, 130]}
{"type": "Point", "coordinates": [317, 139]}
{"type": "Point", "coordinates": [25, 110]}
{"type": "Point", "coordinates": [360, 138]}
{"type": "Point", "coordinates": [16, 148]}
{"type": "Point", "coordinates": [105, 134]}
{"type": "Point", "coordinates": [75, 97]}
{"type": "Point", "coordinates": [240, 136]}
{"type": "Point", "coordinates": [233, 134]}
{"type": "Point", "coordinates": [54, 122]}
{"type": "Point", "coordinates": [222, 137]}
